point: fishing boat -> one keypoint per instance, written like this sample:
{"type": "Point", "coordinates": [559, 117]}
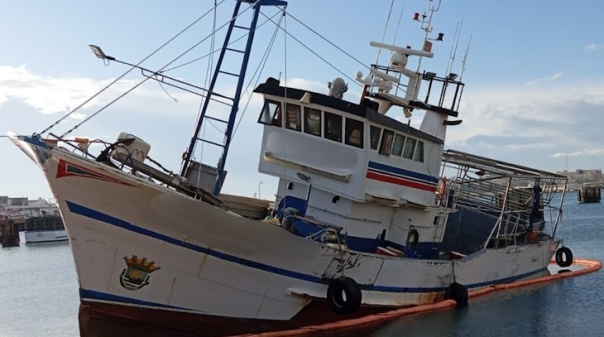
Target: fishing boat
{"type": "Point", "coordinates": [370, 213]}
{"type": "Point", "coordinates": [46, 228]}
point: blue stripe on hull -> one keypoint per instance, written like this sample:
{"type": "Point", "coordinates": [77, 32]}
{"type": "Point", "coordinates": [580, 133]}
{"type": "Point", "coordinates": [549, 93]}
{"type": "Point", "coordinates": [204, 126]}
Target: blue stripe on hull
{"type": "Point", "coordinates": [90, 213]}
{"type": "Point", "coordinates": [86, 294]}
{"type": "Point", "coordinates": [399, 172]}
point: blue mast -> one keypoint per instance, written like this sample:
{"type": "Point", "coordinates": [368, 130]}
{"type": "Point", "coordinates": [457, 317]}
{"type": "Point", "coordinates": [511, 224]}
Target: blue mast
{"type": "Point", "coordinates": [233, 101]}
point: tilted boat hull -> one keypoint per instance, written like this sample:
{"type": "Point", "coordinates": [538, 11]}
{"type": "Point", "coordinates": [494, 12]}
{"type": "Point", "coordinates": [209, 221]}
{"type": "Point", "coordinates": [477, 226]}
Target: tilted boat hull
{"type": "Point", "coordinates": [144, 251]}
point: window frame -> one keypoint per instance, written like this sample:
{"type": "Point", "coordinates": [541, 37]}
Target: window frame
{"type": "Point", "coordinates": [307, 112]}
{"type": "Point", "coordinates": [350, 126]}
{"type": "Point", "coordinates": [398, 153]}
{"type": "Point", "coordinates": [410, 144]}
{"type": "Point", "coordinates": [374, 138]}
{"type": "Point", "coordinates": [297, 117]}
{"type": "Point", "coordinates": [386, 142]}
{"type": "Point", "coordinates": [418, 154]}
{"type": "Point", "coordinates": [328, 118]}
{"type": "Point", "coordinates": [268, 117]}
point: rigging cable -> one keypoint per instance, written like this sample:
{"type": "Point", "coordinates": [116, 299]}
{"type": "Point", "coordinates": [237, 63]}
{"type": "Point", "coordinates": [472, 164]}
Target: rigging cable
{"type": "Point", "coordinates": [398, 25]}
{"type": "Point", "coordinates": [377, 58]}
{"type": "Point", "coordinates": [209, 70]}
{"type": "Point", "coordinates": [211, 55]}
{"type": "Point", "coordinates": [257, 73]}
{"type": "Point", "coordinates": [132, 68]}
{"type": "Point", "coordinates": [332, 44]}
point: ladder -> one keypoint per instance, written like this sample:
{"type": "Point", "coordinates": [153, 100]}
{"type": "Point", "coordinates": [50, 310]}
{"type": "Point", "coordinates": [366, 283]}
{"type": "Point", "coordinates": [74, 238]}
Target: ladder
{"type": "Point", "coordinates": [215, 101]}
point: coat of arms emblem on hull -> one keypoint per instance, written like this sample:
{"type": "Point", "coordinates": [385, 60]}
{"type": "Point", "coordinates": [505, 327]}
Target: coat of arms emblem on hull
{"type": "Point", "coordinates": [136, 275]}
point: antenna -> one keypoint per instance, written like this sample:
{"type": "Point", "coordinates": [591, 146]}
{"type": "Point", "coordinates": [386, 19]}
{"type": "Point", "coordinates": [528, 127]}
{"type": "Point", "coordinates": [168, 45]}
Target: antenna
{"type": "Point", "coordinates": [465, 57]}
{"type": "Point", "coordinates": [428, 27]}
{"type": "Point", "coordinates": [385, 30]}
{"type": "Point", "coordinates": [400, 18]}
{"type": "Point", "coordinates": [454, 47]}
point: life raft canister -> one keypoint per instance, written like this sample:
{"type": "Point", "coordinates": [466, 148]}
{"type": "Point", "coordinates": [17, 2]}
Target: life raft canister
{"type": "Point", "coordinates": [344, 295]}
{"type": "Point", "coordinates": [564, 257]}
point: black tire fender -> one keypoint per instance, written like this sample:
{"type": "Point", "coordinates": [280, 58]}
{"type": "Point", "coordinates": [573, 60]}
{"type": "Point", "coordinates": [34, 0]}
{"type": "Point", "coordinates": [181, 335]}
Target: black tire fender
{"type": "Point", "coordinates": [457, 292]}
{"type": "Point", "coordinates": [344, 295]}
{"type": "Point", "coordinates": [413, 239]}
{"type": "Point", "coordinates": [564, 257]}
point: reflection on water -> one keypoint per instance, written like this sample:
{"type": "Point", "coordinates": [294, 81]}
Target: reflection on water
{"type": "Point", "coordinates": [39, 290]}
{"type": "Point", "coordinates": [96, 327]}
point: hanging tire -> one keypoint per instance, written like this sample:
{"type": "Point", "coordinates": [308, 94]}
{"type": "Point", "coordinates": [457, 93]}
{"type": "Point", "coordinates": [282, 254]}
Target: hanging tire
{"type": "Point", "coordinates": [413, 239]}
{"type": "Point", "coordinates": [344, 295]}
{"type": "Point", "coordinates": [564, 257]}
{"type": "Point", "coordinates": [459, 293]}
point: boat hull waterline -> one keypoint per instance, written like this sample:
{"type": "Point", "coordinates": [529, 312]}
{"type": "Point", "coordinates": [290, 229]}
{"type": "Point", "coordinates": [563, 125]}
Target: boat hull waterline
{"type": "Point", "coordinates": [140, 245]}
{"type": "Point", "coordinates": [45, 236]}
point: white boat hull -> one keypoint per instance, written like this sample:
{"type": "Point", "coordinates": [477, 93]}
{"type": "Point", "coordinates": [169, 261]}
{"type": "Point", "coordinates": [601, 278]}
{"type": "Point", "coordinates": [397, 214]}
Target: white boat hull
{"type": "Point", "coordinates": [45, 236]}
{"type": "Point", "coordinates": [205, 261]}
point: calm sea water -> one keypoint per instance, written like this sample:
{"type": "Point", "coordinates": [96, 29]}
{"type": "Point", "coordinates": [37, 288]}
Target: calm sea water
{"type": "Point", "coordinates": [39, 295]}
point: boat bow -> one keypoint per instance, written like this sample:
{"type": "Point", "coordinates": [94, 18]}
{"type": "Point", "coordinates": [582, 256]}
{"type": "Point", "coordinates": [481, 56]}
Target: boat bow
{"type": "Point", "coordinates": [33, 146]}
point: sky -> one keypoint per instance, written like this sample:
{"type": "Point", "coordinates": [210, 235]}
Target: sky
{"type": "Point", "coordinates": [533, 70]}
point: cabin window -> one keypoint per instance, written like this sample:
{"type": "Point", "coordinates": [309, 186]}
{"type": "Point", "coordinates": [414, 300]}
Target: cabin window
{"type": "Point", "coordinates": [386, 142]}
{"type": "Point", "coordinates": [419, 152]}
{"type": "Point", "coordinates": [271, 113]}
{"type": "Point", "coordinates": [397, 146]}
{"type": "Point", "coordinates": [374, 133]}
{"type": "Point", "coordinates": [409, 147]}
{"type": "Point", "coordinates": [333, 127]}
{"type": "Point", "coordinates": [312, 121]}
{"type": "Point", "coordinates": [293, 117]}
{"type": "Point", "coordinates": [354, 132]}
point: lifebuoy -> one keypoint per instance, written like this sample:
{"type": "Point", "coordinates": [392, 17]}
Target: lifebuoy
{"type": "Point", "coordinates": [564, 257]}
{"type": "Point", "coordinates": [412, 239]}
{"type": "Point", "coordinates": [457, 292]}
{"type": "Point", "coordinates": [344, 295]}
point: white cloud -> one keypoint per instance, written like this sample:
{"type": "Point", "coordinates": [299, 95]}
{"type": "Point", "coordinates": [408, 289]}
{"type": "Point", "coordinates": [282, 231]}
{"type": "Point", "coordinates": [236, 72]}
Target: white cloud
{"type": "Point", "coordinates": [594, 47]}
{"type": "Point", "coordinates": [579, 153]}
{"type": "Point", "coordinates": [550, 78]}
{"type": "Point", "coordinates": [533, 124]}
{"type": "Point", "coordinates": [47, 95]}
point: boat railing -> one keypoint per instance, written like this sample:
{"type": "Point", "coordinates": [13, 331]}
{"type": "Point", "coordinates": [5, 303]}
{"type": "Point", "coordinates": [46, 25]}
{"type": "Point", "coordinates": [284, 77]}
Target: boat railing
{"type": "Point", "coordinates": [122, 161]}
{"type": "Point", "coordinates": [44, 223]}
{"type": "Point", "coordinates": [510, 209]}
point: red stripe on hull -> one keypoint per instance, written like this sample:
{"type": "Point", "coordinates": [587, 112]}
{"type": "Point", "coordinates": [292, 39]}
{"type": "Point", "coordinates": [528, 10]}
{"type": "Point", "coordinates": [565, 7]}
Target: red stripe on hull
{"type": "Point", "coordinates": [400, 181]}
{"type": "Point", "coordinates": [63, 171]}
{"type": "Point", "coordinates": [103, 319]}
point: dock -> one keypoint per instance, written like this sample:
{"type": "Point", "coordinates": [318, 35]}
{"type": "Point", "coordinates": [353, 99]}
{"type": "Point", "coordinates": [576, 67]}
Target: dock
{"type": "Point", "coordinates": [10, 232]}
{"type": "Point", "coordinates": [588, 194]}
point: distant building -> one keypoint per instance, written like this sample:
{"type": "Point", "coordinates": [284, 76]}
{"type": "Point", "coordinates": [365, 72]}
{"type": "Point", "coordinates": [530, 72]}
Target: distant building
{"type": "Point", "coordinates": [23, 207]}
{"type": "Point", "coordinates": [581, 176]}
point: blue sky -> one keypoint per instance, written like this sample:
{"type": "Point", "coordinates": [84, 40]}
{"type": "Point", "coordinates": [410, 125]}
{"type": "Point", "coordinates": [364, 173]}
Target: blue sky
{"type": "Point", "coordinates": [534, 75]}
